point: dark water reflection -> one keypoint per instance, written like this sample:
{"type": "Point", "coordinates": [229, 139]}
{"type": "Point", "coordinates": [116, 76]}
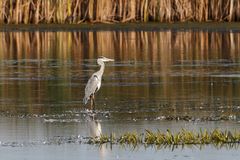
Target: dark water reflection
{"type": "Point", "coordinates": [155, 73]}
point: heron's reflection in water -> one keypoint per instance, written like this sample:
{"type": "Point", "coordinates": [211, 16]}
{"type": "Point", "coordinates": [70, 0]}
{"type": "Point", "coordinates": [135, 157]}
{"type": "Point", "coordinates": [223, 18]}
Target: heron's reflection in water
{"type": "Point", "coordinates": [94, 126]}
{"type": "Point", "coordinates": [95, 130]}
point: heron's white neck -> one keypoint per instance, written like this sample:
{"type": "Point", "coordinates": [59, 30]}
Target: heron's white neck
{"type": "Point", "coordinates": [101, 63]}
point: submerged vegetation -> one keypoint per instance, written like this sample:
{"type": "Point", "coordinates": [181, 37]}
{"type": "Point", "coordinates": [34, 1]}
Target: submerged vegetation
{"type": "Point", "coordinates": [184, 137]}
{"type": "Point", "coordinates": [109, 11]}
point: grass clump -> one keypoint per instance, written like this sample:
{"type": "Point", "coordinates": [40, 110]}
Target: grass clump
{"type": "Point", "coordinates": [102, 139]}
{"type": "Point", "coordinates": [183, 137]}
{"type": "Point", "coordinates": [129, 138]}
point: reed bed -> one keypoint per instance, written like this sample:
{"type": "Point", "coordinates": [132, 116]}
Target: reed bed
{"type": "Point", "coordinates": [111, 11]}
{"type": "Point", "coordinates": [183, 137]}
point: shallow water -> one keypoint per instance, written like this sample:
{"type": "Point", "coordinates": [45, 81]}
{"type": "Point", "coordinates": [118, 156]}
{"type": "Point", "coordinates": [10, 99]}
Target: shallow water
{"type": "Point", "coordinates": [159, 80]}
{"type": "Point", "coordinates": [117, 153]}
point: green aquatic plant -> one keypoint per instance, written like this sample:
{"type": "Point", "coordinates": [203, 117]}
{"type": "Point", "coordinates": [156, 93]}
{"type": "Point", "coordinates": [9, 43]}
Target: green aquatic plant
{"type": "Point", "coordinates": [151, 138]}
{"type": "Point", "coordinates": [129, 138]}
{"type": "Point", "coordinates": [183, 137]}
{"type": "Point", "coordinates": [188, 137]}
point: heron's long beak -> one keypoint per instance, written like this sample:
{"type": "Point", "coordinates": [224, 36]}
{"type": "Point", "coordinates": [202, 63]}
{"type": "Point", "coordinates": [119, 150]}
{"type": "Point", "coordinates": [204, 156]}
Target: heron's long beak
{"type": "Point", "coordinates": [108, 60]}
{"type": "Point", "coordinates": [111, 60]}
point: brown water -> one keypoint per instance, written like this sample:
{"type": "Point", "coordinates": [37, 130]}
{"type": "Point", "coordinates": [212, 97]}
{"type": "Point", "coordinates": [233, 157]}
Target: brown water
{"type": "Point", "coordinates": [156, 79]}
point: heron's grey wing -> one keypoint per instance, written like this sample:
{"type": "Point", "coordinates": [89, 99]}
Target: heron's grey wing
{"type": "Point", "coordinates": [91, 87]}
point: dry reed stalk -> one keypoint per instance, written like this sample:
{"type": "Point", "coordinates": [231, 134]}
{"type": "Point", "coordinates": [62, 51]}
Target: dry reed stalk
{"type": "Point", "coordinates": [101, 10]}
{"type": "Point", "coordinates": [18, 12]}
{"type": "Point", "coordinates": [76, 8]}
{"type": "Point", "coordinates": [183, 10]}
{"type": "Point", "coordinates": [164, 11]}
{"type": "Point", "coordinates": [10, 14]}
{"type": "Point", "coordinates": [91, 10]}
{"type": "Point", "coordinates": [62, 12]}
{"type": "Point", "coordinates": [132, 12]}
{"type": "Point", "coordinates": [59, 11]}
{"type": "Point", "coordinates": [231, 10]}
{"type": "Point", "coordinates": [127, 10]}
{"type": "Point", "coordinates": [141, 10]}
{"type": "Point", "coordinates": [124, 11]}
{"type": "Point", "coordinates": [120, 10]}
{"type": "Point", "coordinates": [26, 11]}
{"type": "Point", "coordinates": [201, 13]}
{"type": "Point", "coordinates": [69, 7]}
{"type": "Point", "coordinates": [237, 10]}
{"type": "Point", "coordinates": [152, 9]}
{"type": "Point", "coordinates": [37, 11]}
{"type": "Point", "coordinates": [48, 11]}
{"type": "Point", "coordinates": [216, 8]}
{"type": "Point", "coordinates": [2, 10]}
{"type": "Point", "coordinates": [77, 11]}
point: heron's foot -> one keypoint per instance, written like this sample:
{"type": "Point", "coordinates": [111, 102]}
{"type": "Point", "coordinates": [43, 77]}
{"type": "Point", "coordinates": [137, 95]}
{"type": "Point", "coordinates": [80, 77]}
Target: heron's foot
{"type": "Point", "coordinates": [91, 111]}
{"type": "Point", "coordinates": [92, 114]}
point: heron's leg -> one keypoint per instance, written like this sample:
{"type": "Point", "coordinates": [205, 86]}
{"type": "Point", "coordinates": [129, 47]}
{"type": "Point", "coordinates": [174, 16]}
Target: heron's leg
{"type": "Point", "coordinates": [93, 102]}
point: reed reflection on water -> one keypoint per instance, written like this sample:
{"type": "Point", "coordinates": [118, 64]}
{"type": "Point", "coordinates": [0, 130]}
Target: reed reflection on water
{"type": "Point", "coordinates": [156, 73]}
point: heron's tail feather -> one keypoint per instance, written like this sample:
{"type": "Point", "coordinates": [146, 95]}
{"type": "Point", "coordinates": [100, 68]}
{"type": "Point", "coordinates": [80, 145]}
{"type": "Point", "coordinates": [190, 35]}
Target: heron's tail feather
{"type": "Point", "coordinates": [85, 100]}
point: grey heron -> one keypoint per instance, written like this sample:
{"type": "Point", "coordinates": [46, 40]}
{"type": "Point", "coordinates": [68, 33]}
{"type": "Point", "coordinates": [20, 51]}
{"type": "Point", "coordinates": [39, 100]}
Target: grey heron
{"type": "Point", "coordinates": [94, 83]}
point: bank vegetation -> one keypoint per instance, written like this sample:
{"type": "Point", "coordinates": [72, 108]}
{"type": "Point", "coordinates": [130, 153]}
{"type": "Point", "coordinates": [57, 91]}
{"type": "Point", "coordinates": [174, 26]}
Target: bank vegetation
{"type": "Point", "coordinates": [112, 11]}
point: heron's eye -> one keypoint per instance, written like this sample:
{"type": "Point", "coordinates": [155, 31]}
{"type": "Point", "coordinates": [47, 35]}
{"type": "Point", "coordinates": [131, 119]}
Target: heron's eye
{"type": "Point", "coordinates": [100, 57]}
